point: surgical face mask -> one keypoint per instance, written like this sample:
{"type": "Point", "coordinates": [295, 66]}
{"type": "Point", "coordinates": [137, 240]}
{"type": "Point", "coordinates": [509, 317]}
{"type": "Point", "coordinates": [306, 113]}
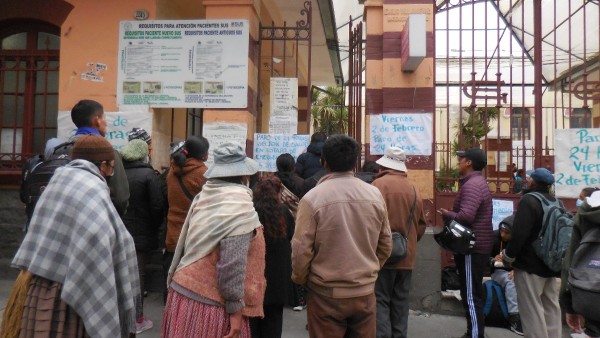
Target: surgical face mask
{"type": "Point", "coordinates": [579, 203]}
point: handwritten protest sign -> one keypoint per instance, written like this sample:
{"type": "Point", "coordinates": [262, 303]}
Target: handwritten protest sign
{"type": "Point", "coordinates": [218, 133]}
{"type": "Point", "coordinates": [501, 210]}
{"type": "Point", "coordinates": [118, 125]}
{"type": "Point", "coordinates": [576, 160]}
{"type": "Point", "coordinates": [410, 132]}
{"type": "Point", "coordinates": [267, 147]}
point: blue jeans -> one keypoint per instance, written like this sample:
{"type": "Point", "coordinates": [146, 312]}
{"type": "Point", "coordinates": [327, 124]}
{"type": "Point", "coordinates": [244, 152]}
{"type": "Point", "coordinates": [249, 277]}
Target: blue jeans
{"type": "Point", "coordinates": [510, 291]}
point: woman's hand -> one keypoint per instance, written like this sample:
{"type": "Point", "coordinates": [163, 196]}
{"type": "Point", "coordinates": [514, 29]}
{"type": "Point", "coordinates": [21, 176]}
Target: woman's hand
{"type": "Point", "coordinates": [235, 323]}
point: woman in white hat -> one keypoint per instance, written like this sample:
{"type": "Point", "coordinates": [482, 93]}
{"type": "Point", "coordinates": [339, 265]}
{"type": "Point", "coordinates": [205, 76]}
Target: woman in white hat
{"type": "Point", "coordinates": [216, 281]}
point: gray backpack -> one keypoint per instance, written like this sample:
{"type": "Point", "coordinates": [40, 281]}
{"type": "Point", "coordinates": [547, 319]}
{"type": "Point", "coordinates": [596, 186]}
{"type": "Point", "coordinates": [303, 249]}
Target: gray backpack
{"type": "Point", "coordinates": [553, 240]}
{"type": "Point", "coordinates": [584, 275]}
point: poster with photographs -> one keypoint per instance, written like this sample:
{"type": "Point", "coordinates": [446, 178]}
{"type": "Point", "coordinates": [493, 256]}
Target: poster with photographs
{"type": "Point", "coordinates": [183, 63]}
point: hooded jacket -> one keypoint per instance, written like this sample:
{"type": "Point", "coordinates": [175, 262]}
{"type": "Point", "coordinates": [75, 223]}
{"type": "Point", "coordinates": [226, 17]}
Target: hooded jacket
{"type": "Point", "coordinates": [192, 175]}
{"type": "Point", "coordinates": [309, 163]}
{"type": "Point", "coordinates": [145, 212]}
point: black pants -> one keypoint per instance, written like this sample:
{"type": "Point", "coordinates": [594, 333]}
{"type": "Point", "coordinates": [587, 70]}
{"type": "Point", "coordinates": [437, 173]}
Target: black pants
{"type": "Point", "coordinates": [270, 326]}
{"type": "Point", "coordinates": [167, 259]}
{"type": "Point", "coordinates": [470, 268]}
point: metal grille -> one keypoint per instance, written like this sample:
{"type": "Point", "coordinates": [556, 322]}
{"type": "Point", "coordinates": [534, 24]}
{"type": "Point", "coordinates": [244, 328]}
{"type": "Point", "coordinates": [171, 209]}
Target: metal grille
{"type": "Point", "coordinates": [509, 72]}
{"type": "Point", "coordinates": [355, 83]}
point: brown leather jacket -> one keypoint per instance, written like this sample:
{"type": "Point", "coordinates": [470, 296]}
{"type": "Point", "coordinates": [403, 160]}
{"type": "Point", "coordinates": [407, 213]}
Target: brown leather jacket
{"type": "Point", "coordinates": [398, 193]}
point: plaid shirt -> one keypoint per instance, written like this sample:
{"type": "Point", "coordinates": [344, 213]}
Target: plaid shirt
{"type": "Point", "coordinates": [77, 238]}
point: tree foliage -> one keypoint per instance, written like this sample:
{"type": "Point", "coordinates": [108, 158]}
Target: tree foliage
{"type": "Point", "coordinates": [329, 113]}
{"type": "Point", "coordinates": [476, 123]}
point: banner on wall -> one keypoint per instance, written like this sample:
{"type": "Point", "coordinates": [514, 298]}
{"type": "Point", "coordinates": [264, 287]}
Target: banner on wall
{"type": "Point", "coordinates": [501, 210]}
{"type": "Point", "coordinates": [118, 125]}
{"type": "Point", "coordinates": [576, 160]}
{"type": "Point", "coordinates": [284, 105]}
{"type": "Point", "coordinates": [218, 133]}
{"type": "Point", "coordinates": [267, 147]}
{"type": "Point", "coordinates": [411, 132]}
{"type": "Point", "coordinates": [183, 63]}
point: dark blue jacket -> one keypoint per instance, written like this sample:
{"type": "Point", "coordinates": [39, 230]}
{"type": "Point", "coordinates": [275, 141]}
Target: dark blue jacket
{"type": "Point", "coordinates": [473, 208]}
{"type": "Point", "coordinates": [309, 163]}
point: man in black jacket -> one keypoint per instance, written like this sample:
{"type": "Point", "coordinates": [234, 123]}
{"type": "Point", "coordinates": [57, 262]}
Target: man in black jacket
{"type": "Point", "coordinates": [537, 288]}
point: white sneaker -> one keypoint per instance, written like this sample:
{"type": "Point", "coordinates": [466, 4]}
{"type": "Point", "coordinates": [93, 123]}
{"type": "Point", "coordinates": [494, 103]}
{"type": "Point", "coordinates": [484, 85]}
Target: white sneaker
{"type": "Point", "coordinates": [143, 326]}
{"type": "Point", "coordinates": [299, 308]}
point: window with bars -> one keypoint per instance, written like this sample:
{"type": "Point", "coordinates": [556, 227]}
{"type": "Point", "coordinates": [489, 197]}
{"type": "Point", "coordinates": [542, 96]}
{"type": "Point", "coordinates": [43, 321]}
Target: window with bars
{"type": "Point", "coordinates": [29, 61]}
{"type": "Point", "coordinates": [520, 124]}
{"type": "Point", "coordinates": [580, 118]}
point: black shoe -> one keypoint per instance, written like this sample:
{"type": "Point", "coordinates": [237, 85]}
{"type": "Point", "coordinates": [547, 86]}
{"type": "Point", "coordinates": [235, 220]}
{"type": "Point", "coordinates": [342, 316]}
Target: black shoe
{"type": "Point", "coordinates": [515, 324]}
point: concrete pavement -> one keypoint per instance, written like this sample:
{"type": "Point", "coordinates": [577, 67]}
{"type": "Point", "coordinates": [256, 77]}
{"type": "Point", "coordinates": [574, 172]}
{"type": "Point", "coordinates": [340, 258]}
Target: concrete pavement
{"type": "Point", "coordinates": [420, 324]}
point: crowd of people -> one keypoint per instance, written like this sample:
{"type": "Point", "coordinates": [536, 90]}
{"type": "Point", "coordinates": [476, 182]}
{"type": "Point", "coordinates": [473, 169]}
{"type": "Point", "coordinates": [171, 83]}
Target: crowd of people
{"type": "Point", "coordinates": [237, 249]}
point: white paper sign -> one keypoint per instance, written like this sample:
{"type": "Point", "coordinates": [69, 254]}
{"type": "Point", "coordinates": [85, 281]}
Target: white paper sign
{"type": "Point", "coordinates": [410, 132]}
{"type": "Point", "coordinates": [184, 63]}
{"type": "Point", "coordinates": [218, 133]}
{"type": "Point", "coordinates": [576, 160]}
{"type": "Point", "coordinates": [501, 210]}
{"type": "Point", "coordinates": [284, 105]}
{"type": "Point", "coordinates": [118, 125]}
{"type": "Point", "coordinates": [267, 147]}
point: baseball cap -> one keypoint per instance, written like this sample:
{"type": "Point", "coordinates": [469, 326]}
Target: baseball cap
{"type": "Point", "coordinates": [476, 155]}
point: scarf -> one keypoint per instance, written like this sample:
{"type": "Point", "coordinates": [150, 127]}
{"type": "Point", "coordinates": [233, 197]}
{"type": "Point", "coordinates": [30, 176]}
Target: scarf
{"type": "Point", "coordinates": [77, 238]}
{"type": "Point", "coordinates": [220, 210]}
{"type": "Point", "coordinates": [87, 130]}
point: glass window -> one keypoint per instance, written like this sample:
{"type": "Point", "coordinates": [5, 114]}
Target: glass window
{"type": "Point", "coordinates": [15, 41]}
{"type": "Point", "coordinates": [520, 122]}
{"type": "Point", "coordinates": [47, 41]}
{"type": "Point", "coordinates": [581, 118]}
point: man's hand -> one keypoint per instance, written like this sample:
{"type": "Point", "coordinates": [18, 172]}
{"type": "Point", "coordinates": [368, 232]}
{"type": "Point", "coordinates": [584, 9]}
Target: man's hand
{"type": "Point", "coordinates": [576, 322]}
{"type": "Point", "coordinates": [235, 323]}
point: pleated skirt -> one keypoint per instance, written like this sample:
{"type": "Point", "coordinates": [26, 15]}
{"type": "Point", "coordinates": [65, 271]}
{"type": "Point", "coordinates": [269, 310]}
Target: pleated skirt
{"type": "Point", "coordinates": [186, 318]}
{"type": "Point", "coordinates": [45, 315]}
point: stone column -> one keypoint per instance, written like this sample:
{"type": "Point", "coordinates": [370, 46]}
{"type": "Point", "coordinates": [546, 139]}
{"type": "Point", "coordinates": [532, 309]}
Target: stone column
{"type": "Point", "coordinates": [248, 10]}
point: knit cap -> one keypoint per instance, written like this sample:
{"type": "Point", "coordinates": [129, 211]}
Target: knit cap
{"type": "Point", "coordinates": [93, 148]}
{"type": "Point", "coordinates": [135, 150]}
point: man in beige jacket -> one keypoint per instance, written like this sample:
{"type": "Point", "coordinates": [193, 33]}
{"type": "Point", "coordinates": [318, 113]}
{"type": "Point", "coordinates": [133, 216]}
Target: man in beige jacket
{"type": "Point", "coordinates": [341, 241]}
{"type": "Point", "coordinates": [404, 206]}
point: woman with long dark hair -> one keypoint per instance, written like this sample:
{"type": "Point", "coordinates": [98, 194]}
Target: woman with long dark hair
{"type": "Point", "coordinates": [278, 225]}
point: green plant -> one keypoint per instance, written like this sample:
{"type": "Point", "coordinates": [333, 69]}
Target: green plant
{"type": "Point", "coordinates": [329, 114]}
{"type": "Point", "coordinates": [475, 124]}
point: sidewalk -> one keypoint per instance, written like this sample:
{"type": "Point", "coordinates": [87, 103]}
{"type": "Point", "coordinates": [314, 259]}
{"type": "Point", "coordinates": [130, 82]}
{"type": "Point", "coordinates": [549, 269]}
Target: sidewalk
{"type": "Point", "coordinates": [419, 325]}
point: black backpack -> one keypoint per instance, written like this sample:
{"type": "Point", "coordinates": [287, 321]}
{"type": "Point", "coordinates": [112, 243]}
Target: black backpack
{"type": "Point", "coordinates": [37, 179]}
{"type": "Point", "coordinates": [584, 275]}
{"type": "Point", "coordinates": [495, 310]}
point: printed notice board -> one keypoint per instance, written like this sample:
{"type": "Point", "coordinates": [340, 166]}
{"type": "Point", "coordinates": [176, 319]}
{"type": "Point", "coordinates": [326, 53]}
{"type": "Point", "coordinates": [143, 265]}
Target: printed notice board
{"type": "Point", "coordinates": [267, 147]}
{"type": "Point", "coordinates": [576, 160]}
{"type": "Point", "coordinates": [183, 63]}
{"type": "Point", "coordinates": [410, 132]}
{"type": "Point", "coordinates": [284, 105]}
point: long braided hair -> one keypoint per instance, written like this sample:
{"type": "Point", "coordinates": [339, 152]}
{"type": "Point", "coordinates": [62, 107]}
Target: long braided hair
{"type": "Point", "coordinates": [268, 205]}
